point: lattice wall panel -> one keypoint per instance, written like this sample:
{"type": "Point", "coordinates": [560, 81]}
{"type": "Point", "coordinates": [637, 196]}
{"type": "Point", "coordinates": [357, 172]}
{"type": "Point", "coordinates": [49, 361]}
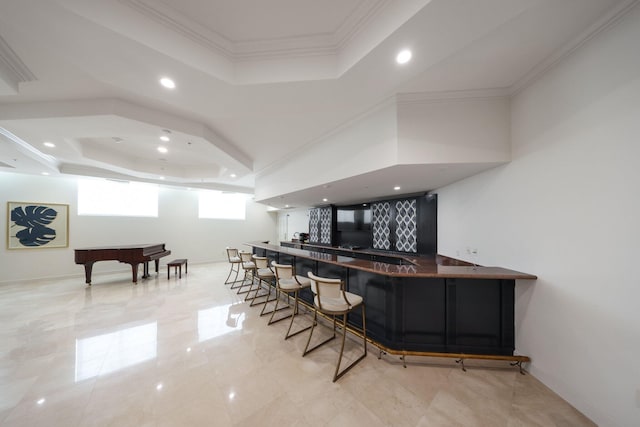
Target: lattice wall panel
{"type": "Point", "coordinates": [325, 225]}
{"type": "Point", "coordinates": [406, 222]}
{"type": "Point", "coordinates": [381, 223]}
{"type": "Point", "coordinates": [314, 219]}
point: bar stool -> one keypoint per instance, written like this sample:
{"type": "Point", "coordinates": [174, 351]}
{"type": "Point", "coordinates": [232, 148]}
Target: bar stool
{"type": "Point", "coordinates": [249, 268]}
{"type": "Point", "coordinates": [331, 299]}
{"type": "Point", "coordinates": [264, 274]}
{"type": "Point", "coordinates": [234, 260]}
{"type": "Point", "coordinates": [289, 282]}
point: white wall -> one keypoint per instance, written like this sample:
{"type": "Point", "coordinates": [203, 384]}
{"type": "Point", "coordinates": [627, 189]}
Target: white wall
{"type": "Point", "coordinates": [177, 225]}
{"type": "Point", "coordinates": [567, 208]}
{"type": "Point", "coordinates": [469, 130]}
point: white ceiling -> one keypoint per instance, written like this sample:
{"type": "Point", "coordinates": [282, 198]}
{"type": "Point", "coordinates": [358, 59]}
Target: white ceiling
{"type": "Point", "coordinates": [256, 80]}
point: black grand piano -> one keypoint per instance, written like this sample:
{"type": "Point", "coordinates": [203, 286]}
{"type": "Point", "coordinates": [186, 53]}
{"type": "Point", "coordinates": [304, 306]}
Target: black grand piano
{"type": "Point", "coordinates": [129, 254]}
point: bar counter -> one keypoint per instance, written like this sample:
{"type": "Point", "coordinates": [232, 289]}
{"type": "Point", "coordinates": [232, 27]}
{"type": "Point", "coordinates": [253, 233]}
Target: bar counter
{"type": "Point", "coordinates": [418, 305]}
{"type": "Point", "coordinates": [412, 266]}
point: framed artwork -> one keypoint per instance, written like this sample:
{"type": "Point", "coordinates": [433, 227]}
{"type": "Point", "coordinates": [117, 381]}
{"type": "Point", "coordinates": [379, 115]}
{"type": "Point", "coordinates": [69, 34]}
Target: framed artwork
{"type": "Point", "coordinates": [37, 225]}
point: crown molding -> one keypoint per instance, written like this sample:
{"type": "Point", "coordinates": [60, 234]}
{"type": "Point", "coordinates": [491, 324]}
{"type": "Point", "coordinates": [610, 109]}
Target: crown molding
{"type": "Point", "coordinates": [604, 23]}
{"type": "Point", "coordinates": [177, 22]}
{"type": "Point", "coordinates": [320, 44]}
{"type": "Point", "coordinates": [357, 21]}
{"type": "Point", "coordinates": [411, 98]}
{"type": "Point", "coordinates": [12, 68]}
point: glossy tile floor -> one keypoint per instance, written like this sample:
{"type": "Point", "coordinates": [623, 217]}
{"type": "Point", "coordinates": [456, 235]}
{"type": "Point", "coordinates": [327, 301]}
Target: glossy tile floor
{"type": "Point", "coordinates": [190, 352]}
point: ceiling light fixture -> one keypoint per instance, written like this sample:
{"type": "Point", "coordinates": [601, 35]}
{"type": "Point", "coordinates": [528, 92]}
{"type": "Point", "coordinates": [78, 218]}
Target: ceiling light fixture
{"type": "Point", "coordinates": [403, 56]}
{"type": "Point", "coordinates": [45, 173]}
{"type": "Point", "coordinates": [162, 149]}
{"type": "Point", "coordinates": [325, 200]}
{"type": "Point", "coordinates": [165, 138]}
{"type": "Point", "coordinates": [397, 187]}
{"type": "Point", "coordinates": [49, 144]}
{"type": "Point", "coordinates": [233, 175]}
{"type": "Point", "coordinates": [168, 83]}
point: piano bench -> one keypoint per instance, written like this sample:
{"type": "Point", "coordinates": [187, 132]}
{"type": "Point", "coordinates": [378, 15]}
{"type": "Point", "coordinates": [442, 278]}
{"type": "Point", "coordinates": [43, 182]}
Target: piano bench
{"type": "Point", "coordinates": [177, 265]}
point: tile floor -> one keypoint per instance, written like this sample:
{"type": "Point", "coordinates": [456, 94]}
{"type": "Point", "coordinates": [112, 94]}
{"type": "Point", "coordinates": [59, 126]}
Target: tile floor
{"type": "Point", "coordinates": [190, 352]}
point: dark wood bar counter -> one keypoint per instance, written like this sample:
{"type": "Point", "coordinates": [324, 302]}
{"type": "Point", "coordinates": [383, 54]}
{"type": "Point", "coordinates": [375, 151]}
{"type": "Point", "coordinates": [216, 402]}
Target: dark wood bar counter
{"type": "Point", "coordinates": [419, 305]}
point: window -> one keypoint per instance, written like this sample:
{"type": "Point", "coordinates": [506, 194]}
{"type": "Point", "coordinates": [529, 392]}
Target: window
{"type": "Point", "coordinates": [117, 198]}
{"type": "Point", "coordinates": [221, 205]}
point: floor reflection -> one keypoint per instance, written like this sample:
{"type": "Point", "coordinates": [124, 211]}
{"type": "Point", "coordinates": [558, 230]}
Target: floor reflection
{"type": "Point", "coordinates": [220, 320]}
{"type": "Point", "coordinates": [111, 352]}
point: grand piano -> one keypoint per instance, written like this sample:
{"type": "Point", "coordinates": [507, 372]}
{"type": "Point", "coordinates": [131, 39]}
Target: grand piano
{"type": "Point", "coordinates": [129, 254]}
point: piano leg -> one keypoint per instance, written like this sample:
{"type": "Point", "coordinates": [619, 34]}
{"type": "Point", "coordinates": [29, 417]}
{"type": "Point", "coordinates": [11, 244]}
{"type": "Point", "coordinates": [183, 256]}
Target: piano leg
{"type": "Point", "coordinates": [88, 266]}
{"type": "Point", "coordinates": [134, 271]}
{"type": "Point", "coordinates": [145, 273]}
{"type": "Point", "coordinates": [157, 264]}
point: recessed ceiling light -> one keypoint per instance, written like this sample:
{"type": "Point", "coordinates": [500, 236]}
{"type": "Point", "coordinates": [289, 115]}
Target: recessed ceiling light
{"type": "Point", "coordinates": [397, 187]}
{"type": "Point", "coordinates": [168, 83]}
{"type": "Point", "coordinates": [404, 56]}
{"type": "Point", "coordinates": [233, 175]}
{"type": "Point", "coordinates": [286, 206]}
{"type": "Point", "coordinates": [45, 173]}
{"type": "Point", "coordinates": [165, 138]}
{"type": "Point", "coordinates": [162, 149]}
{"type": "Point", "coordinates": [325, 200]}
{"type": "Point", "coordinates": [162, 178]}
{"type": "Point", "coordinates": [49, 144]}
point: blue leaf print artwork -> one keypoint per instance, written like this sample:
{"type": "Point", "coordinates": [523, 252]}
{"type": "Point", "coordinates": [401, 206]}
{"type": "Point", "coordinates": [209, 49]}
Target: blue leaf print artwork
{"type": "Point", "coordinates": [35, 220]}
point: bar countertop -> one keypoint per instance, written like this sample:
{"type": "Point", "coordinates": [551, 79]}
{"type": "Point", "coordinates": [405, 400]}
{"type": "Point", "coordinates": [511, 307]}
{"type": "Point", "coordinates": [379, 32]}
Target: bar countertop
{"type": "Point", "coordinates": [412, 266]}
